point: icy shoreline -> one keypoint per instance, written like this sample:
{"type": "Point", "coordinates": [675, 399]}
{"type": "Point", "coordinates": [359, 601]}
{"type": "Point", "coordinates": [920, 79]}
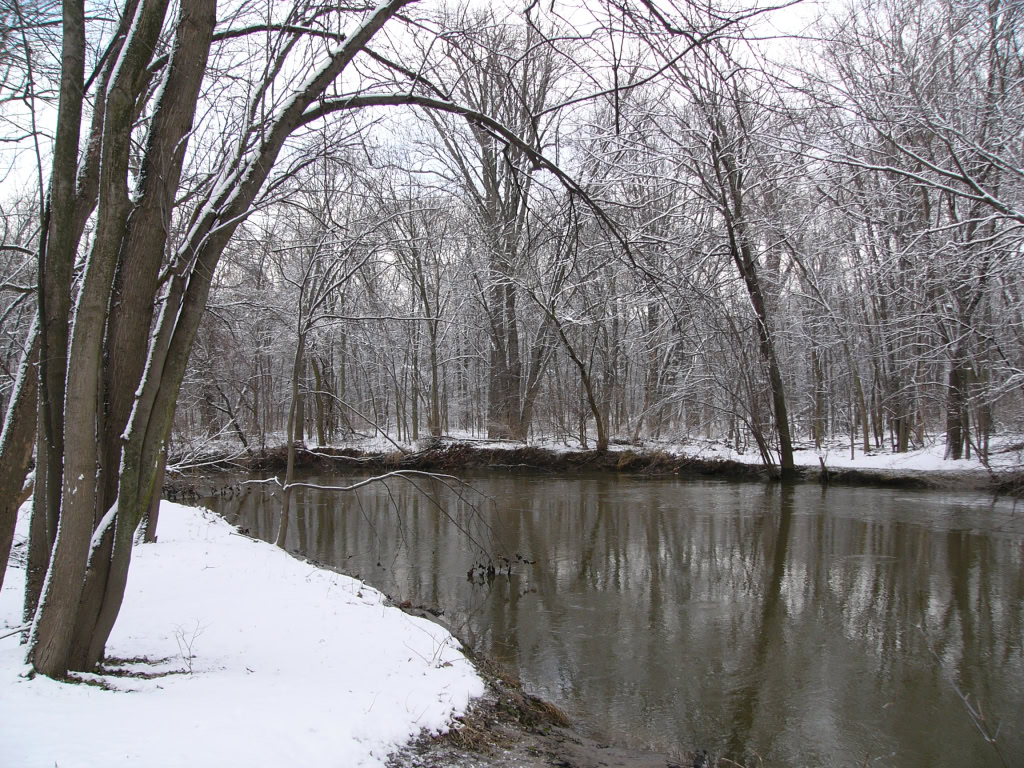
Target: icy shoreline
{"type": "Point", "coordinates": [252, 657]}
{"type": "Point", "coordinates": [921, 467]}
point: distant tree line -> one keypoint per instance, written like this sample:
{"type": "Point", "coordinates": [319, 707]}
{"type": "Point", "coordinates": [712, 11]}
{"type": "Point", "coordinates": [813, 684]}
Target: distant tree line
{"type": "Point", "coordinates": [828, 247]}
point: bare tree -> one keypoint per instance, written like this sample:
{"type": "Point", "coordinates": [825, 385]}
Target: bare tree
{"type": "Point", "coordinates": [511, 73]}
{"type": "Point", "coordinates": [84, 586]}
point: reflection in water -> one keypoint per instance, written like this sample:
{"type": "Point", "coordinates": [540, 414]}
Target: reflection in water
{"type": "Point", "coordinates": [806, 626]}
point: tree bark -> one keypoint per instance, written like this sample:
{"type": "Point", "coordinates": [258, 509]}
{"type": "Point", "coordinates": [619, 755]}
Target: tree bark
{"type": "Point", "coordinates": [142, 248]}
{"type": "Point", "coordinates": [153, 515]}
{"type": "Point", "coordinates": [56, 259]}
{"type": "Point", "coordinates": [16, 444]}
{"type": "Point", "coordinates": [318, 403]}
{"type": "Point", "coordinates": [53, 630]}
{"type": "Point", "coordinates": [957, 397]}
{"type": "Point", "coordinates": [138, 253]}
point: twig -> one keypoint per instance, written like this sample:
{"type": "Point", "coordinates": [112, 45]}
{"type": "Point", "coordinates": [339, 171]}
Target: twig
{"type": "Point", "coordinates": [15, 631]}
{"type": "Point", "coordinates": [451, 482]}
{"type": "Point", "coordinates": [975, 713]}
{"type": "Point", "coordinates": [185, 643]}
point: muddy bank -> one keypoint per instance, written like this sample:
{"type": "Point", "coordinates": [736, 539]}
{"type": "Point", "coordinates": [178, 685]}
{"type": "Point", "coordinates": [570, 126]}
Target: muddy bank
{"type": "Point", "coordinates": [509, 728]}
{"type": "Point", "coordinates": [454, 457]}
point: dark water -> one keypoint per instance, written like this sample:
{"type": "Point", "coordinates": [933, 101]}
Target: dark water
{"type": "Point", "coordinates": [799, 625]}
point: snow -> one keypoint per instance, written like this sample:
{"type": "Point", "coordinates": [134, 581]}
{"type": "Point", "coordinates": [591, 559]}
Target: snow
{"type": "Point", "coordinates": [1006, 450]}
{"type": "Point", "coordinates": [927, 458]}
{"type": "Point", "coordinates": [262, 660]}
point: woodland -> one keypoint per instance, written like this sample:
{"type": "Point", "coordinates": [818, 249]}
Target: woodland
{"type": "Point", "coordinates": [597, 221]}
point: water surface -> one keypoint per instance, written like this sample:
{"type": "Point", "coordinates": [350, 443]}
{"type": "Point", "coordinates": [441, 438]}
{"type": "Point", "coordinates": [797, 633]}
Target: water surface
{"type": "Point", "coordinates": [804, 626]}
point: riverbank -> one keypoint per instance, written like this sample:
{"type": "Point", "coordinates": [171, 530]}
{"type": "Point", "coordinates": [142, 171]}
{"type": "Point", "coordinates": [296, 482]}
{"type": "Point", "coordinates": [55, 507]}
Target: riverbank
{"type": "Point", "coordinates": [229, 651]}
{"type": "Point", "coordinates": [506, 728]}
{"type": "Point", "coordinates": [923, 467]}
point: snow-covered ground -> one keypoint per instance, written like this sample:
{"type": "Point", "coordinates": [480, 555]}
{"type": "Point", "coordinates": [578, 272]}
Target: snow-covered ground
{"type": "Point", "coordinates": [269, 661]}
{"type": "Point", "coordinates": [930, 457]}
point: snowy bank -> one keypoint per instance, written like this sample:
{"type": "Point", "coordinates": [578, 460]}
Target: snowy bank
{"type": "Point", "coordinates": [261, 660]}
{"type": "Point", "coordinates": [460, 450]}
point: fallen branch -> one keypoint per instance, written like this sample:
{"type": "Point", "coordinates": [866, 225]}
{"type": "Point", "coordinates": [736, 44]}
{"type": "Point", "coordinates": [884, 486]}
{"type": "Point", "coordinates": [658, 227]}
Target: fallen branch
{"type": "Point", "coordinates": [25, 628]}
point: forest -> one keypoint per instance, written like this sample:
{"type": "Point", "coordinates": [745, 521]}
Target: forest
{"type": "Point", "coordinates": [751, 251]}
{"type": "Point", "coordinates": [599, 221]}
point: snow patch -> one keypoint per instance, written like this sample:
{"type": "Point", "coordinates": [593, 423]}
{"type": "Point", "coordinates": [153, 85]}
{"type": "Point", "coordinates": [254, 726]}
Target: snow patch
{"type": "Point", "coordinates": [260, 660]}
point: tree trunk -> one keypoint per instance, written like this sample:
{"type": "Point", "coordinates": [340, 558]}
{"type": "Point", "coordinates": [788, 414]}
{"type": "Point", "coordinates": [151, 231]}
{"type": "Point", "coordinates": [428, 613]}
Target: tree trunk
{"type": "Point", "coordinates": [818, 421]}
{"type": "Point", "coordinates": [745, 264]}
{"type": "Point", "coordinates": [505, 375]}
{"type": "Point", "coordinates": [54, 629]}
{"type": "Point", "coordinates": [56, 258]}
{"type": "Point", "coordinates": [318, 403]}
{"type": "Point", "coordinates": [957, 394]}
{"type": "Point", "coordinates": [435, 386]}
{"type": "Point", "coordinates": [153, 515]}
{"type": "Point", "coordinates": [16, 444]}
{"type": "Point", "coordinates": [141, 241]}
{"type": "Point", "coordinates": [730, 183]}
{"type": "Point", "coordinates": [51, 631]}
{"type": "Point", "coordinates": [862, 406]}
{"type": "Point", "coordinates": [39, 544]}
{"type": "Point", "coordinates": [294, 425]}
{"type": "Point", "coordinates": [414, 386]}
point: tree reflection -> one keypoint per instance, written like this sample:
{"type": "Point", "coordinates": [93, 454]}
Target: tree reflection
{"type": "Point", "coordinates": [767, 636]}
{"type": "Point", "coordinates": [789, 621]}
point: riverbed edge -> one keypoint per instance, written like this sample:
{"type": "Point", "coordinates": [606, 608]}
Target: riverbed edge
{"type": "Point", "coordinates": [454, 456]}
{"type": "Point", "coordinates": [510, 728]}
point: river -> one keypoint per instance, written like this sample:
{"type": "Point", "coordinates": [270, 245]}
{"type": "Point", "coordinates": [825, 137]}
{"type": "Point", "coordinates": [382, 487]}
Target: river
{"type": "Point", "coordinates": [798, 625]}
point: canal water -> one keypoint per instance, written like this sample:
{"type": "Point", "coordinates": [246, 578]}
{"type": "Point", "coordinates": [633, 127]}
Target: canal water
{"type": "Point", "coordinates": [796, 625]}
